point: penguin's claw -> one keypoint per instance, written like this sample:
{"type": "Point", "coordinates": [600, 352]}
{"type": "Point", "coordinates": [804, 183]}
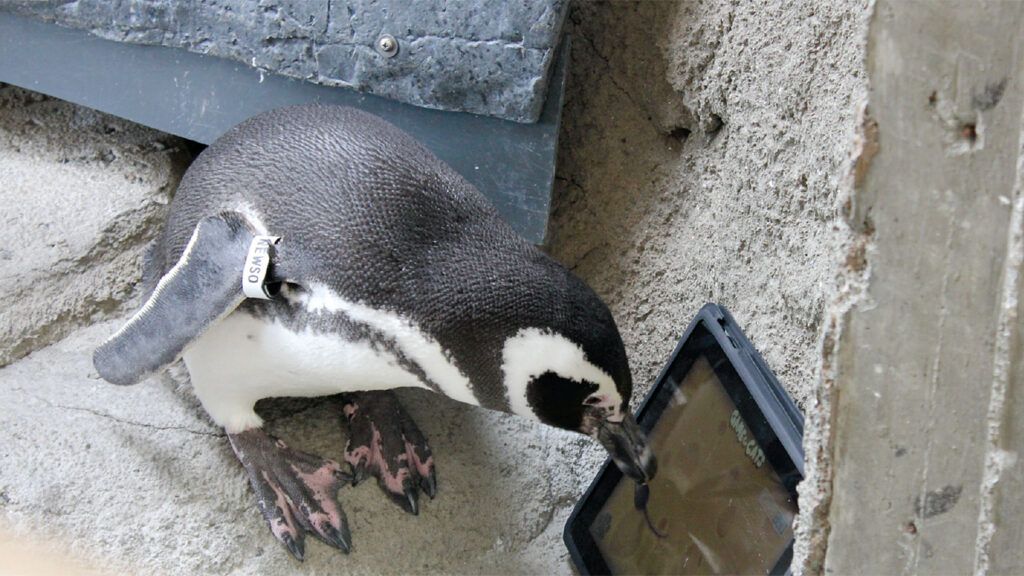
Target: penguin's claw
{"type": "Point", "coordinates": [383, 441]}
{"type": "Point", "coordinates": [359, 473]}
{"type": "Point", "coordinates": [296, 547]}
{"type": "Point", "coordinates": [340, 539]}
{"type": "Point", "coordinates": [428, 483]}
{"type": "Point", "coordinates": [296, 491]}
{"type": "Point", "coordinates": [411, 504]}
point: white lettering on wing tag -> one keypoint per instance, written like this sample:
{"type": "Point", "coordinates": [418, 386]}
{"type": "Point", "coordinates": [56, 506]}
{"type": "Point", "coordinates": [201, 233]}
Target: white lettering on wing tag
{"type": "Point", "coordinates": [257, 262]}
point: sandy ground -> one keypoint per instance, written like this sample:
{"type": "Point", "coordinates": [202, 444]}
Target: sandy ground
{"type": "Point", "coordinates": [704, 155]}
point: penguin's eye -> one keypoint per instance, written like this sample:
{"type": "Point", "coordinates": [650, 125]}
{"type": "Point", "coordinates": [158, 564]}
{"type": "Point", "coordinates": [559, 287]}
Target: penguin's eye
{"type": "Point", "coordinates": [559, 401]}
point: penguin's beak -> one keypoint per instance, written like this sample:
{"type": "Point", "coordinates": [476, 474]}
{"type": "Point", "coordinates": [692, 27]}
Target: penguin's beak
{"type": "Point", "coordinates": [627, 445]}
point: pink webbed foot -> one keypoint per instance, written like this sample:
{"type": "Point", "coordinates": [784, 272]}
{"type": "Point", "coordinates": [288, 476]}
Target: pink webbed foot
{"type": "Point", "coordinates": [296, 491]}
{"type": "Point", "coordinates": [383, 441]}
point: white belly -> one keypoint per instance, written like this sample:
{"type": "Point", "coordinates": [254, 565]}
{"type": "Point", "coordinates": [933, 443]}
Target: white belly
{"type": "Point", "coordinates": [242, 359]}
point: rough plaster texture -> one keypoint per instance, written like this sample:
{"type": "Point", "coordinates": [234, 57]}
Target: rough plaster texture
{"type": "Point", "coordinates": [711, 151]}
{"type": "Point", "coordinates": [487, 57]}
{"type": "Point", "coordinates": [927, 431]}
{"type": "Point", "coordinates": [706, 155]}
{"type": "Point", "coordinates": [81, 193]}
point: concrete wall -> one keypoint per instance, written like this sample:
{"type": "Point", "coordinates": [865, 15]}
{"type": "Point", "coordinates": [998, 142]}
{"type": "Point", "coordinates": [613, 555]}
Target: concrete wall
{"type": "Point", "coordinates": [927, 369]}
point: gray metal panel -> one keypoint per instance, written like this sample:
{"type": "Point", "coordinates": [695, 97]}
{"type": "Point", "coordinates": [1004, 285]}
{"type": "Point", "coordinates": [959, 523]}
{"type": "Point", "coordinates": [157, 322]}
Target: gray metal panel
{"type": "Point", "coordinates": [199, 97]}
{"type": "Point", "coordinates": [488, 57]}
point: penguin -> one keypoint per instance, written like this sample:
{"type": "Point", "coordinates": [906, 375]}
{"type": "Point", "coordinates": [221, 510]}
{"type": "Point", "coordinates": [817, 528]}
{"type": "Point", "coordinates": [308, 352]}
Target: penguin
{"type": "Point", "coordinates": [318, 250]}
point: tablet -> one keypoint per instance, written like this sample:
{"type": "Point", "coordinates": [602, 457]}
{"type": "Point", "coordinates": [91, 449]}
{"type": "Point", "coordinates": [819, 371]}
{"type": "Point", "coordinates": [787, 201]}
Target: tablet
{"type": "Point", "coordinates": [728, 442]}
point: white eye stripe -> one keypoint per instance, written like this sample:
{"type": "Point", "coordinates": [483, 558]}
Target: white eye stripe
{"type": "Point", "coordinates": [533, 351]}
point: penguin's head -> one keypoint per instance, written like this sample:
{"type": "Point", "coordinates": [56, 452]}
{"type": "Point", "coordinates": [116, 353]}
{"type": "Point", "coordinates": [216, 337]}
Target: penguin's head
{"type": "Point", "coordinates": [573, 374]}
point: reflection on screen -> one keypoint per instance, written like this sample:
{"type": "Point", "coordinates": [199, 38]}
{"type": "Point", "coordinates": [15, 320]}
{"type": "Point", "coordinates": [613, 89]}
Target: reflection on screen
{"type": "Point", "coordinates": [721, 505]}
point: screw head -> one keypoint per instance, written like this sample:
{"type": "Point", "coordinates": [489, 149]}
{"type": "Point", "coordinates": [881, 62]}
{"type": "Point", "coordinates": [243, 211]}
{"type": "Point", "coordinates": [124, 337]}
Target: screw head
{"type": "Point", "coordinates": [387, 45]}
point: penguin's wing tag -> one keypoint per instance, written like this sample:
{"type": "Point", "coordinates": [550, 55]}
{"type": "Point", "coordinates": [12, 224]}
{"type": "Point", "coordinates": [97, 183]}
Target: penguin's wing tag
{"type": "Point", "coordinates": [257, 263]}
{"type": "Point", "coordinates": [202, 287]}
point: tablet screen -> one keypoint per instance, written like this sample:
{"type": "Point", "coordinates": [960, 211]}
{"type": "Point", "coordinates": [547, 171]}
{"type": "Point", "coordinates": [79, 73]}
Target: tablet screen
{"type": "Point", "coordinates": [717, 500]}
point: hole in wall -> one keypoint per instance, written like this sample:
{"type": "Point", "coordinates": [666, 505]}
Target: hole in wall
{"type": "Point", "coordinates": [966, 136]}
{"type": "Point", "coordinates": [964, 132]}
{"type": "Point", "coordinates": [680, 133]}
{"type": "Point", "coordinates": [969, 132]}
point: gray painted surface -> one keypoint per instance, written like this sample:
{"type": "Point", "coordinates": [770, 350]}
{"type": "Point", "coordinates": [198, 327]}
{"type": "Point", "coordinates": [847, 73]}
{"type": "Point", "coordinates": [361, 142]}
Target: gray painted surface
{"type": "Point", "coordinates": [199, 97]}
{"type": "Point", "coordinates": [926, 363]}
{"type": "Point", "coordinates": [488, 57]}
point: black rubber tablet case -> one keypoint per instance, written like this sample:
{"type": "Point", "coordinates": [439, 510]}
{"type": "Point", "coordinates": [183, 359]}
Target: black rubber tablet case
{"type": "Point", "coordinates": [784, 451]}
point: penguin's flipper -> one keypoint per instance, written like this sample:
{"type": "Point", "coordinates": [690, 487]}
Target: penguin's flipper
{"type": "Point", "coordinates": [204, 286]}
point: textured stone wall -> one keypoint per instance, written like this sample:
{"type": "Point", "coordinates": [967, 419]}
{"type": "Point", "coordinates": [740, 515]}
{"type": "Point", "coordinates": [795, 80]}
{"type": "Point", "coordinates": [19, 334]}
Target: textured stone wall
{"type": "Point", "coordinates": [928, 369]}
{"type": "Point", "coordinates": [82, 194]}
{"type": "Point", "coordinates": [487, 57]}
{"type": "Point", "coordinates": [708, 154]}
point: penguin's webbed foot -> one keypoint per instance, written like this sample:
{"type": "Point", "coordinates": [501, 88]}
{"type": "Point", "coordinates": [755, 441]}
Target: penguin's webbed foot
{"type": "Point", "coordinates": [385, 442]}
{"type": "Point", "coordinates": [296, 491]}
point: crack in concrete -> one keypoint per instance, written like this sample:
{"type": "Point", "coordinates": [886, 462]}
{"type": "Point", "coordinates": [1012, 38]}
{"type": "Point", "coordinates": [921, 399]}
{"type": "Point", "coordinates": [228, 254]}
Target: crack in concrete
{"type": "Point", "coordinates": [549, 517]}
{"type": "Point", "coordinates": [474, 43]}
{"type": "Point", "coordinates": [913, 562]}
{"type": "Point", "coordinates": [575, 202]}
{"type": "Point", "coordinates": [120, 420]}
{"type": "Point", "coordinates": [579, 261]}
{"type": "Point", "coordinates": [611, 73]}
